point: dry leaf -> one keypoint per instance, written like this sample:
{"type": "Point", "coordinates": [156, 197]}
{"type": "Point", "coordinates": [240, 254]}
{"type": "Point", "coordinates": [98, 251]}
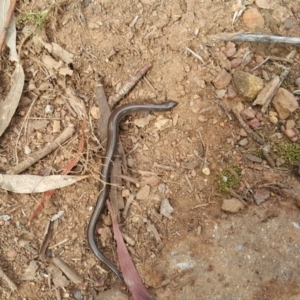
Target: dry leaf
{"type": "Point", "coordinates": [11, 35]}
{"type": "Point", "coordinates": [131, 277]}
{"type": "Point", "coordinates": [142, 122]}
{"type": "Point", "coordinates": [76, 104]}
{"type": "Point", "coordinates": [162, 123]}
{"type": "Point", "coordinates": [57, 50]}
{"type": "Point", "coordinates": [27, 184]}
{"type": "Point", "coordinates": [30, 271]}
{"type": "Point", "coordinates": [11, 102]}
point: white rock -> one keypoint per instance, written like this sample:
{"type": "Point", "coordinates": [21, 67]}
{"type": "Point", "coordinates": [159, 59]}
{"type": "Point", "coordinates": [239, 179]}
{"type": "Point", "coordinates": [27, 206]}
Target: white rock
{"type": "Point", "coordinates": [165, 208]}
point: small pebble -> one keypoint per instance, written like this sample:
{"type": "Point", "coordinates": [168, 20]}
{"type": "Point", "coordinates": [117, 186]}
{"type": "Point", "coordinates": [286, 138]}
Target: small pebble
{"type": "Point", "coordinates": [165, 208]}
{"type": "Point", "coordinates": [261, 195]}
{"type": "Point", "coordinates": [297, 82]}
{"type": "Point", "coordinates": [290, 124]}
{"type": "Point", "coordinates": [143, 193]}
{"type": "Point", "coordinates": [206, 171]}
{"type": "Point", "coordinates": [248, 114]}
{"type": "Point", "coordinates": [27, 150]}
{"type": "Point", "coordinates": [49, 109]}
{"type": "Point", "coordinates": [107, 220]}
{"type": "Point", "coordinates": [254, 123]}
{"type": "Point", "coordinates": [273, 119]}
{"type": "Point", "coordinates": [125, 193]}
{"type": "Point", "coordinates": [232, 205]}
{"type": "Point", "coordinates": [78, 295]}
{"type": "Point", "coordinates": [161, 187]}
{"type": "Point", "coordinates": [243, 132]}
{"type": "Point", "coordinates": [11, 254]}
{"type": "Point", "coordinates": [95, 112]}
{"type": "Point", "coordinates": [243, 142]}
{"type": "Point", "coordinates": [290, 133]}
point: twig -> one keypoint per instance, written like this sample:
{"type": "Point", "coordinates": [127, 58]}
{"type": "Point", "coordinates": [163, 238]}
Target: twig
{"type": "Point", "coordinates": [188, 182]}
{"type": "Point", "coordinates": [282, 77]}
{"type": "Point", "coordinates": [46, 241]}
{"type": "Point", "coordinates": [169, 168]}
{"type": "Point", "coordinates": [195, 54]}
{"type": "Point", "coordinates": [262, 38]}
{"type": "Point", "coordinates": [251, 133]}
{"type": "Point", "coordinates": [218, 102]}
{"type": "Point", "coordinates": [130, 199]}
{"type": "Point", "coordinates": [154, 231]}
{"type": "Point", "coordinates": [269, 159]}
{"type": "Point", "coordinates": [260, 64]}
{"type": "Point", "coordinates": [10, 13]}
{"type": "Point", "coordinates": [71, 274]}
{"type": "Point", "coordinates": [9, 282]}
{"type": "Point", "coordinates": [36, 156]}
{"type": "Point", "coordinates": [22, 126]}
{"type": "Point", "coordinates": [291, 61]}
{"type": "Point", "coordinates": [128, 86]}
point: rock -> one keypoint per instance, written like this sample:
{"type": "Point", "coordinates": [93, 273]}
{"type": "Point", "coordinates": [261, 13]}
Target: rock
{"type": "Point", "coordinates": [231, 93]}
{"type": "Point", "coordinates": [206, 171]}
{"type": "Point", "coordinates": [280, 14]}
{"type": "Point", "coordinates": [196, 104]}
{"type": "Point", "coordinates": [49, 109]}
{"type": "Point", "coordinates": [230, 49]}
{"type": "Point", "coordinates": [254, 123]}
{"type": "Point", "coordinates": [143, 193]}
{"type": "Point", "coordinates": [285, 103]}
{"type": "Point", "coordinates": [112, 294]}
{"type": "Point", "coordinates": [297, 82]}
{"type": "Point", "coordinates": [290, 133]}
{"type": "Point", "coordinates": [232, 205]}
{"type": "Point", "coordinates": [162, 187]}
{"type": "Point", "coordinates": [95, 112]}
{"type": "Point", "coordinates": [243, 142]}
{"type": "Point", "coordinates": [222, 80]}
{"type": "Point", "coordinates": [150, 180]}
{"type": "Point", "coordinates": [273, 120]}
{"type": "Point", "coordinates": [261, 195]}
{"type": "Point", "coordinates": [266, 4]}
{"type": "Point", "coordinates": [78, 295]}
{"type": "Point", "coordinates": [243, 132]}
{"type": "Point", "coordinates": [253, 19]}
{"type": "Point", "coordinates": [220, 93]}
{"type": "Point", "coordinates": [165, 208]}
{"type": "Point", "coordinates": [236, 62]}
{"type": "Point", "coordinates": [247, 84]}
{"type": "Point", "coordinates": [290, 124]}
{"type": "Point", "coordinates": [11, 254]}
{"type": "Point", "coordinates": [248, 113]}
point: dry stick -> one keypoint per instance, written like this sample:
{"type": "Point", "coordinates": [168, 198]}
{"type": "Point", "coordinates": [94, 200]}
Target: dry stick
{"type": "Point", "coordinates": [22, 126]}
{"type": "Point", "coordinates": [10, 283]}
{"type": "Point", "coordinates": [282, 77]}
{"type": "Point", "coordinates": [128, 86]}
{"type": "Point", "coordinates": [262, 38]}
{"type": "Point", "coordinates": [36, 156]}
{"type": "Point", "coordinates": [288, 60]}
{"type": "Point", "coordinates": [251, 133]}
{"type": "Point", "coordinates": [195, 54]}
{"type": "Point", "coordinates": [10, 13]}
{"type": "Point", "coordinates": [71, 274]}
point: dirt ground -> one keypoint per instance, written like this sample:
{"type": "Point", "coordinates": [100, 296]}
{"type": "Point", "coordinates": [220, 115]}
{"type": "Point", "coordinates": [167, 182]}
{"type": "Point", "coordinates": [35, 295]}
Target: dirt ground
{"type": "Point", "coordinates": [201, 251]}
